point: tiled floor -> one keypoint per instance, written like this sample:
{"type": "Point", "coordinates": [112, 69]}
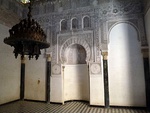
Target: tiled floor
{"type": "Point", "coordinates": [69, 107]}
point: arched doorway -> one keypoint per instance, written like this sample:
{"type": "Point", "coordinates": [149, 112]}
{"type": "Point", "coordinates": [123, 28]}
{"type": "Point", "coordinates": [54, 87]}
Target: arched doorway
{"type": "Point", "coordinates": [76, 80]}
{"type": "Point", "coordinates": [125, 67]}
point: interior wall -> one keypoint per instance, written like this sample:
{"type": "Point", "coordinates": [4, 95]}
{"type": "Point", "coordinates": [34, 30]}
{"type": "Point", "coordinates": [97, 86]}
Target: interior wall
{"type": "Point", "coordinates": [125, 67]}
{"type": "Point", "coordinates": [76, 82]}
{"type": "Point", "coordinates": [146, 4]}
{"type": "Point", "coordinates": [56, 87]}
{"type": "Point", "coordinates": [147, 26]}
{"type": "Point", "coordinates": [9, 70]}
{"type": "Point", "coordinates": [96, 84]}
{"type": "Point", "coordinates": [35, 79]}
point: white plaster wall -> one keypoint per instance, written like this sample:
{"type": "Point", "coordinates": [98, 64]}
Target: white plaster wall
{"type": "Point", "coordinates": [97, 88]}
{"type": "Point", "coordinates": [9, 70]}
{"type": "Point", "coordinates": [56, 89]}
{"type": "Point", "coordinates": [35, 79]}
{"type": "Point", "coordinates": [147, 26]}
{"type": "Point", "coordinates": [76, 82]}
{"type": "Point", "coordinates": [125, 67]}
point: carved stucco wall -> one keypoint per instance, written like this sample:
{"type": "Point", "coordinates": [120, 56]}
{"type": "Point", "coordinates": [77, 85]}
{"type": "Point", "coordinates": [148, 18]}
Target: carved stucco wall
{"type": "Point", "coordinates": [103, 17]}
{"type": "Point", "coordinates": [104, 14]}
{"type": "Point", "coordinates": [10, 12]}
{"type": "Point", "coordinates": [75, 40]}
{"type": "Point", "coordinates": [85, 39]}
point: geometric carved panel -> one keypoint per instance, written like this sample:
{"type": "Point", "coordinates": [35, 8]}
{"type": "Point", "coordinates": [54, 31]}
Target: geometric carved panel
{"type": "Point", "coordinates": [56, 69]}
{"type": "Point", "coordinates": [95, 68]}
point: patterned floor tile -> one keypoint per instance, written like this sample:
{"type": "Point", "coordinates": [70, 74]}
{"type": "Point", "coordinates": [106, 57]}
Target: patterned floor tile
{"type": "Point", "coordinates": [69, 107]}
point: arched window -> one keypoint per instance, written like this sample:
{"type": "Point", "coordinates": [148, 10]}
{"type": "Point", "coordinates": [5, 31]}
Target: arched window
{"type": "Point", "coordinates": [75, 23]}
{"type": "Point", "coordinates": [63, 25]}
{"type": "Point", "coordinates": [86, 22]}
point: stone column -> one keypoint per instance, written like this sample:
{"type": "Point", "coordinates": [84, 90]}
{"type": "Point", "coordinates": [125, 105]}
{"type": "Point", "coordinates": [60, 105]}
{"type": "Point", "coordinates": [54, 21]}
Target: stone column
{"type": "Point", "coordinates": [22, 79]}
{"type": "Point", "coordinates": [145, 53]}
{"type": "Point", "coordinates": [48, 74]}
{"type": "Point", "coordinates": [106, 83]}
{"type": "Point", "coordinates": [63, 69]}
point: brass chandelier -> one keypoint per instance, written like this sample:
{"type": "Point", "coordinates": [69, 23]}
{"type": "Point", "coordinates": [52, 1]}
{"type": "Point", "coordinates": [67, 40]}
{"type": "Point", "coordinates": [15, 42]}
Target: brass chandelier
{"type": "Point", "coordinates": [27, 37]}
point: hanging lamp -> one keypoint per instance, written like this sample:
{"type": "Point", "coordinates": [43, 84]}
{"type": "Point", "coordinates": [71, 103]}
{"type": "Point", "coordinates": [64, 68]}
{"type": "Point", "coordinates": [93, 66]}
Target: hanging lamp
{"type": "Point", "coordinates": [27, 37]}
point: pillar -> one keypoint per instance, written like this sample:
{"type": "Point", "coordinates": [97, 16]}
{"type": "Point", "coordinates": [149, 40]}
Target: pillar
{"type": "Point", "coordinates": [48, 74]}
{"type": "Point", "coordinates": [145, 53]}
{"type": "Point", "coordinates": [106, 82]}
{"type": "Point", "coordinates": [22, 79]}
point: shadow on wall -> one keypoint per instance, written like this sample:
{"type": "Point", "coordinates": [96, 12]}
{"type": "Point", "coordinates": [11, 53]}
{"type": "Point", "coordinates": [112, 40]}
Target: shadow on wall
{"type": "Point", "coordinates": [75, 54]}
{"type": "Point", "coordinates": [125, 64]}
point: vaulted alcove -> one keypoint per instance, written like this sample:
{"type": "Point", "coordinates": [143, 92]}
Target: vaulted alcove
{"type": "Point", "coordinates": [76, 79]}
{"type": "Point", "coordinates": [125, 67]}
{"type": "Point", "coordinates": [75, 54]}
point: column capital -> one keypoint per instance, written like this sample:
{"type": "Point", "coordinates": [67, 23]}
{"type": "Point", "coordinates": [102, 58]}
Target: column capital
{"type": "Point", "coordinates": [23, 60]}
{"type": "Point", "coordinates": [48, 56]}
{"type": "Point", "coordinates": [63, 67]}
{"type": "Point", "coordinates": [105, 55]}
{"type": "Point", "coordinates": [145, 52]}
